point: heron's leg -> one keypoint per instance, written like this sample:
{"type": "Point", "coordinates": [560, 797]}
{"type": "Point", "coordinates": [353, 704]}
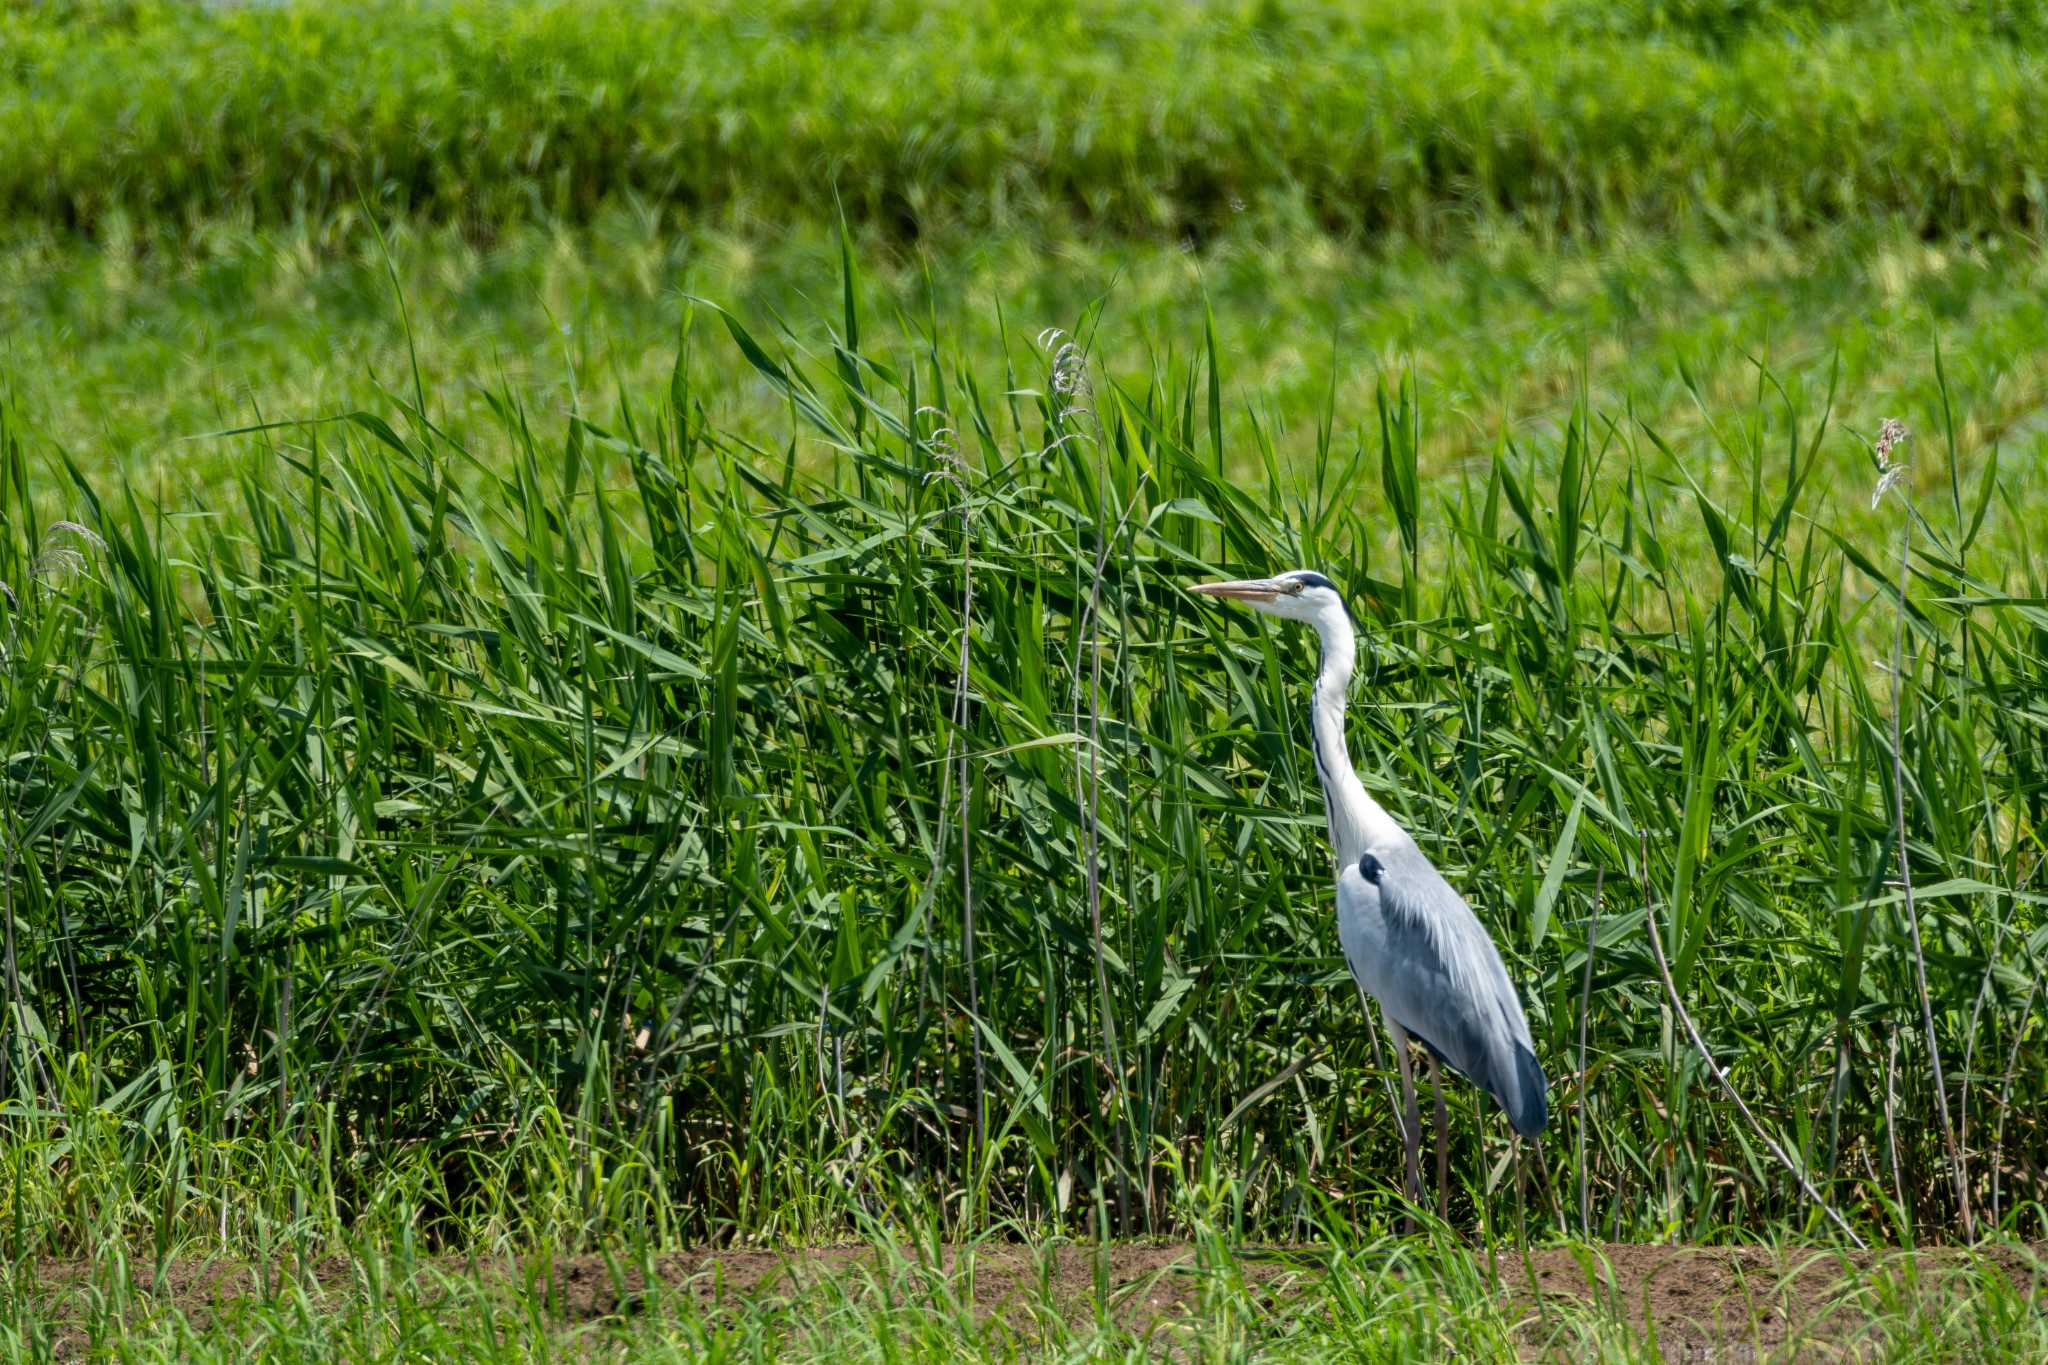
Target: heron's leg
{"type": "Point", "coordinates": [1411, 1117]}
{"type": "Point", "coordinates": [1521, 1197]}
{"type": "Point", "coordinates": [1443, 1140]}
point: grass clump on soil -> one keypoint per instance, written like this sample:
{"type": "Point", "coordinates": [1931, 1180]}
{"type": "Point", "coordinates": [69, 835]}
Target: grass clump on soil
{"type": "Point", "coordinates": [564, 845]}
{"type": "Point", "coordinates": [1146, 116]}
{"type": "Point", "coordinates": [991, 1299]}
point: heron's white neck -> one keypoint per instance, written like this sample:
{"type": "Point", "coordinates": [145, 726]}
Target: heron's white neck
{"type": "Point", "coordinates": [1357, 822]}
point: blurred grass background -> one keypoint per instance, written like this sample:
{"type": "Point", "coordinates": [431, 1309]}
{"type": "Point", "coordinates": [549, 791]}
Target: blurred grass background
{"type": "Point", "coordinates": [1526, 203]}
{"type": "Point", "coordinates": [1141, 116]}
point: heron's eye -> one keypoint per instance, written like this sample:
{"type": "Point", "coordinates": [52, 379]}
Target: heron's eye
{"type": "Point", "coordinates": [1294, 587]}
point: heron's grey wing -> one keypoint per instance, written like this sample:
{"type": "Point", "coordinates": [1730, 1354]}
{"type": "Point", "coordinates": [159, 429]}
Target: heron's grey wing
{"type": "Point", "coordinates": [1429, 962]}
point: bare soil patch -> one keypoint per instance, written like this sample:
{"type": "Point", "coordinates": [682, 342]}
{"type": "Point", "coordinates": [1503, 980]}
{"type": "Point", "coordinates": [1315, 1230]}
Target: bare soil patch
{"type": "Point", "coordinates": [1718, 1303]}
{"type": "Point", "coordinates": [1732, 1303]}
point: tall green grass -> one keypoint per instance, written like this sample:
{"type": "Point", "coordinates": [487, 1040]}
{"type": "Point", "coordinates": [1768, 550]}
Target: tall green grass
{"type": "Point", "coordinates": [1148, 116]}
{"type": "Point", "coordinates": [580, 841]}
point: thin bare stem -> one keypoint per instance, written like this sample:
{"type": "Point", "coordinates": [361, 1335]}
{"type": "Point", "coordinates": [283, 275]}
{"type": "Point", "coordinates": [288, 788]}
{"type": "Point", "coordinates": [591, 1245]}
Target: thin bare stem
{"type": "Point", "coordinates": [1891, 1118]}
{"type": "Point", "coordinates": [953, 470]}
{"type": "Point", "coordinates": [1095, 860]}
{"type": "Point", "coordinates": [966, 827]}
{"type": "Point", "coordinates": [16, 1005]}
{"type": "Point", "coordinates": [1070, 383]}
{"type": "Point", "coordinates": [1585, 1009]}
{"type": "Point", "coordinates": [1721, 1078]}
{"type": "Point", "coordinates": [1957, 1171]}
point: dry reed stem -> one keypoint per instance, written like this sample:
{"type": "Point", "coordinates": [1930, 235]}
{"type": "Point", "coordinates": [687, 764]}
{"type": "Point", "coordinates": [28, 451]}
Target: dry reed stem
{"type": "Point", "coordinates": [1721, 1078]}
{"type": "Point", "coordinates": [1585, 1007]}
{"type": "Point", "coordinates": [1890, 475]}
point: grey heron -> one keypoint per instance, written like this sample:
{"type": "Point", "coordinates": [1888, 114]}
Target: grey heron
{"type": "Point", "coordinates": [1412, 942]}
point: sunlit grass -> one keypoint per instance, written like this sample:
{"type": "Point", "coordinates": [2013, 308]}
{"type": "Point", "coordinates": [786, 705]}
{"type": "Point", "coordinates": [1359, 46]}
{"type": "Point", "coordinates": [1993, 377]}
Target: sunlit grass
{"type": "Point", "coordinates": [496, 753]}
{"type": "Point", "coordinates": [121, 352]}
{"type": "Point", "coordinates": [550, 843]}
{"type": "Point", "coordinates": [892, 1299]}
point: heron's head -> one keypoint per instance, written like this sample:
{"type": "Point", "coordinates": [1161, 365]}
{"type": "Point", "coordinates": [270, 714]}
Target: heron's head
{"type": "Point", "coordinates": [1297, 595]}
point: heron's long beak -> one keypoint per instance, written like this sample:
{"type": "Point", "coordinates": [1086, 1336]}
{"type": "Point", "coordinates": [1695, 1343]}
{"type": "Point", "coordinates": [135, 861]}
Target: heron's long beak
{"type": "Point", "coordinates": [1242, 589]}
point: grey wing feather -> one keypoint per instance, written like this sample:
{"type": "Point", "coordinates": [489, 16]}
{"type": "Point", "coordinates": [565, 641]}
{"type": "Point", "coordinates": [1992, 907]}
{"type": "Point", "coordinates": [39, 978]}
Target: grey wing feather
{"type": "Point", "coordinates": [1419, 950]}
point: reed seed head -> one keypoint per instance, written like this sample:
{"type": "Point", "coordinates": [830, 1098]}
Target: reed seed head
{"type": "Point", "coordinates": [1890, 473]}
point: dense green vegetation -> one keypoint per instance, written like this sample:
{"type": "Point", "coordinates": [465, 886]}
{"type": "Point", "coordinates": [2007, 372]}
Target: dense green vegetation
{"type": "Point", "coordinates": [576, 673]}
{"type": "Point", "coordinates": [1148, 114]}
{"type": "Point", "coordinates": [401, 815]}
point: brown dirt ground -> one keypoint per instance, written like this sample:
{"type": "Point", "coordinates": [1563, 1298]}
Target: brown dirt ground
{"type": "Point", "coordinates": [1726, 1303]}
{"type": "Point", "coordinates": [1717, 1303]}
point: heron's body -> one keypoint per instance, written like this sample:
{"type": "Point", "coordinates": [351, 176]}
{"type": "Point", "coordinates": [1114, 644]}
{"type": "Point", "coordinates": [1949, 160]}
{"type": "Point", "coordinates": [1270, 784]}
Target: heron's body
{"type": "Point", "coordinates": [1412, 942]}
{"type": "Point", "coordinates": [1417, 949]}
